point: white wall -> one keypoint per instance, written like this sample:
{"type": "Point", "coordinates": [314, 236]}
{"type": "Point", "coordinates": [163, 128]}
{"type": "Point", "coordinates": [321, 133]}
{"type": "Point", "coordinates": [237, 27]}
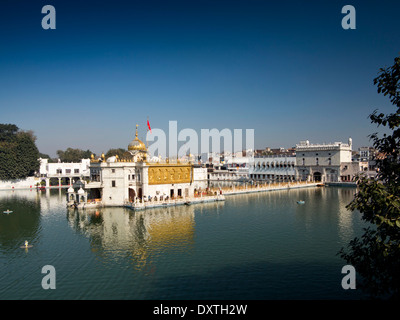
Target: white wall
{"type": "Point", "coordinates": [28, 183]}
{"type": "Point", "coordinates": [51, 168]}
{"type": "Point", "coordinates": [199, 174]}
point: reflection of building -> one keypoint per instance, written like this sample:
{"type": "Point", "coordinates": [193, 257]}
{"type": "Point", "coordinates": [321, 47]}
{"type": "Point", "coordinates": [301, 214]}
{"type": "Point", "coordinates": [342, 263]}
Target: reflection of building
{"type": "Point", "coordinates": [136, 236]}
{"type": "Point", "coordinates": [321, 162]}
{"type": "Point", "coordinates": [116, 182]}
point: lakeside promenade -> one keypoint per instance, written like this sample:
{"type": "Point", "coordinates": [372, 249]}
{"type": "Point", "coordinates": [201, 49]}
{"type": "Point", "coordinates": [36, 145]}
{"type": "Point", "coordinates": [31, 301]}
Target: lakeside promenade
{"type": "Point", "coordinates": [263, 186]}
{"type": "Point", "coordinates": [218, 194]}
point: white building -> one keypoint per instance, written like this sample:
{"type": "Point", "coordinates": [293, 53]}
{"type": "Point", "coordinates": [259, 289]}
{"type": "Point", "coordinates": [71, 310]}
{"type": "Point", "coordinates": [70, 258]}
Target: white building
{"type": "Point", "coordinates": [199, 177]}
{"type": "Point", "coordinates": [273, 168]}
{"type": "Point", "coordinates": [231, 168]}
{"type": "Point", "coordinates": [322, 162]}
{"type": "Point", "coordinates": [116, 182]}
{"type": "Point", "coordinates": [72, 171]}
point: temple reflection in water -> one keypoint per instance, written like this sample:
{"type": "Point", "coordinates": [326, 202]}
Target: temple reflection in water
{"type": "Point", "coordinates": [121, 232]}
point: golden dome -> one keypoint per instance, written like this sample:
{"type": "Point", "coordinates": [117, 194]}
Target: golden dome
{"type": "Point", "coordinates": [136, 144]}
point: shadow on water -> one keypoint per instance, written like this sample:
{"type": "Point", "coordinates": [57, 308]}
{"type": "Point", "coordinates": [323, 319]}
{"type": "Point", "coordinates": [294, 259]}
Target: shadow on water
{"type": "Point", "coordinates": [258, 281]}
{"type": "Point", "coordinates": [24, 221]}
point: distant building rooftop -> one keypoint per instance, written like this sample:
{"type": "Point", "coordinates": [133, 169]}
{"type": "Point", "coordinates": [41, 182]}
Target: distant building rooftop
{"type": "Point", "coordinates": [306, 145]}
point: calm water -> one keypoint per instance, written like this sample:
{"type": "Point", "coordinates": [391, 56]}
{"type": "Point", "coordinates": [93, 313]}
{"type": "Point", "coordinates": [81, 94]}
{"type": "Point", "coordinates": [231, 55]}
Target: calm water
{"type": "Point", "coordinates": [255, 246]}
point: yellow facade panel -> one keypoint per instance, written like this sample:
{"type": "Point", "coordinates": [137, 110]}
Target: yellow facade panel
{"type": "Point", "coordinates": [169, 174]}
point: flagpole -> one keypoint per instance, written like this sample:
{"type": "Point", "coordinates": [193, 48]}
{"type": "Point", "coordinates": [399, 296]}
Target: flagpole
{"type": "Point", "coordinates": [147, 125]}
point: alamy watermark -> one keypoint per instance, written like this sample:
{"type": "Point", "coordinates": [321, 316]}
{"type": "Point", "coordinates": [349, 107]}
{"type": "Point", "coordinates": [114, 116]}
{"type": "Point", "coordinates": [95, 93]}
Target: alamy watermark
{"type": "Point", "coordinates": [349, 280]}
{"type": "Point", "coordinates": [49, 280]}
{"type": "Point", "coordinates": [349, 20]}
{"type": "Point", "coordinates": [211, 141]}
{"type": "Point", "coordinates": [49, 20]}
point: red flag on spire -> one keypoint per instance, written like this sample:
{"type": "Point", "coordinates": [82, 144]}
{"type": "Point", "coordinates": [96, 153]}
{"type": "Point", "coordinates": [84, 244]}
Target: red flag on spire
{"type": "Point", "coordinates": [148, 125]}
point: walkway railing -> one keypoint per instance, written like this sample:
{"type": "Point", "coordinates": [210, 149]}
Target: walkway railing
{"type": "Point", "coordinates": [173, 202]}
{"type": "Point", "coordinates": [260, 186]}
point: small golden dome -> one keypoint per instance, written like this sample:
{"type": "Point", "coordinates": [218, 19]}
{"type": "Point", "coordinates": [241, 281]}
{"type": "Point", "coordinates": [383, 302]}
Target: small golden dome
{"type": "Point", "coordinates": [136, 144]}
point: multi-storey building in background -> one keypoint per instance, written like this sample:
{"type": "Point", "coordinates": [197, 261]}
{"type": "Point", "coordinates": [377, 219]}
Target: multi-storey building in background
{"type": "Point", "coordinates": [322, 162]}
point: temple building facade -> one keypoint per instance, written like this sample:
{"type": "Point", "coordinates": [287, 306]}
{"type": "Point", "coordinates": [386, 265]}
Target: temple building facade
{"type": "Point", "coordinates": [117, 182]}
{"type": "Point", "coordinates": [322, 162]}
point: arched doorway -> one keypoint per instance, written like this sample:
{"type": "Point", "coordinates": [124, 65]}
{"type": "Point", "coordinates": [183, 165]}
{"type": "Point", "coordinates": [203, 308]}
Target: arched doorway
{"type": "Point", "coordinates": [132, 194]}
{"type": "Point", "coordinates": [94, 194]}
{"type": "Point", "coordinates": [54, 182]}
{"type": "Point", "coordinates": [140, 195]}
{"type": "Point", "coordinates": [317, 176]}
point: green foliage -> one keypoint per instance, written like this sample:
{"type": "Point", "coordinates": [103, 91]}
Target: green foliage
{"type": "Point", "coordinates": [73, 155]}
{"type": "Point", "coordinates": [18, 153]}
{"type": "Point", "coordinates": [8, 132]}
{"type": "Point", "coordinates": [120, 152]}
{"type": "Point", "coordinates": [376, 255]}
{"type": "Point", "coordinates": [46, 156]}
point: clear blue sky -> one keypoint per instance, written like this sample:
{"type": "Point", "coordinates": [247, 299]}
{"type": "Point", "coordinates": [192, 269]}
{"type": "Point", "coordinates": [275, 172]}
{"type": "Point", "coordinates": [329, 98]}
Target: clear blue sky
{"type": "Point", "coordinates": [286, 69]}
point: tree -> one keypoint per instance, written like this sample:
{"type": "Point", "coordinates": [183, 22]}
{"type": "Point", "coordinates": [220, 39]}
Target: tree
{"type": "Point", "coordinates": [18, 153]}
{"type": "Point", "coordinates": [27, 154]}
{"type": "Point", "coordinates": [73, 155]}
{"type": "Point", "coordinates": [8, 132]}
{"type": "Point", "coordinates": [46, 156]}
{"type": "Point", "coordinates": [120, 152]}
{"type": "Point", "coordinates": [376, 255]}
